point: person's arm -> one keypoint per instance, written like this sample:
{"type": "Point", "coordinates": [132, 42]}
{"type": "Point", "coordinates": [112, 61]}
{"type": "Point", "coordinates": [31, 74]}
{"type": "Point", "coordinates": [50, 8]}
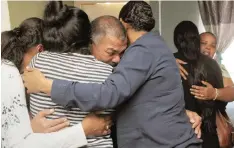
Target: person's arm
{"type": "Point", "coordinates": [129, 75]}
{"type": "Point", "coordinates": [227, 82]}
{"type": "Point", "coordinates": [16, 128]}
{"type": "Point", "coordinates": [210, 93]}
{"type": "Point", "coordinates": [226, 94]}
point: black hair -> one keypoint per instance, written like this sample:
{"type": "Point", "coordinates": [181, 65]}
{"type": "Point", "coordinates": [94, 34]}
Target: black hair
{"type": "Point", "coordinates": [187, 41]}
{"type": "Point", "coordinates": [31, 31]}
{"type": "Point", "coordinates": [67, 28]}
{"type": "Point", "coordinates": [139, 15]}
{"type": "Point", "coordinates": [107, 25]}
{"type": "Point", "coordinates": [15, 43]}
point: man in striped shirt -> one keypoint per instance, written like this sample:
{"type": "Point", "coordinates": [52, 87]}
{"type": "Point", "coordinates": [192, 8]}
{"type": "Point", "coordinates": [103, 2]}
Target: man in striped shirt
{"type": "Point", "coordinates": [108, 43]}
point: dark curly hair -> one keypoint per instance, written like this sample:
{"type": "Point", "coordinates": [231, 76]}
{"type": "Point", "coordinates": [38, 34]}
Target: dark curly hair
{"type": "Point", "coordinates": [139, 15]}
{"type": "Point", "coordinates": [67, 28]}
{"type": "Point", "coordinates": [15, 43]}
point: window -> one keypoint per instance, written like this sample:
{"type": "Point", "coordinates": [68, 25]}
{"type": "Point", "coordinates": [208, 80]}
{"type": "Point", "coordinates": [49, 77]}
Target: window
{"type": "Point", "coordinates": [228, 60]}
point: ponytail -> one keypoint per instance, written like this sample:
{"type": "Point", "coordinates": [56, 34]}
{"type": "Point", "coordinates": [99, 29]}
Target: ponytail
{"type": "Point", "coordinates": [10, 47]}
{"type": "Point", "coordinates": [15, 43]}
{"type": "Point", "coordinates": [67, 28]}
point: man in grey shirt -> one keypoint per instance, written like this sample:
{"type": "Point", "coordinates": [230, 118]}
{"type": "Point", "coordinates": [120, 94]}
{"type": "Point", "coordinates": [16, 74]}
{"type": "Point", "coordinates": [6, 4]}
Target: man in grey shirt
{"type": "Point", "coordinates": [145, 87]}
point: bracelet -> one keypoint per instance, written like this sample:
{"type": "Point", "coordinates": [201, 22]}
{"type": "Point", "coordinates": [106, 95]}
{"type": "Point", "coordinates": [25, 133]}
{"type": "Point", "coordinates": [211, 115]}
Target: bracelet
{"type": "Point", "coordinates": [216, 94]}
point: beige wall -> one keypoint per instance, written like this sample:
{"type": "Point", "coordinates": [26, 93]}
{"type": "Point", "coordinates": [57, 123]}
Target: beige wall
{"type": "Point", "coordinates": [99, 9]}
{"type": "Point", "coordinates": [20, 10]}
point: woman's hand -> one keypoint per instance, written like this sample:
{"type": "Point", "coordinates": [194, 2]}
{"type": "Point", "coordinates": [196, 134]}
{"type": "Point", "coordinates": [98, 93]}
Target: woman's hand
{"type": "Point", "coordinates": [203, 93]}
{"type": "Point", "coordinates": [94, 125]}
{"type": "Point", "coordinates": [196, 121]}
{"type": "Point", "coordinates": [183, 72]}
{"type": "Point", "coordinates": [42, 125]}
{"type": "Point", "coordinates": [35, 81]}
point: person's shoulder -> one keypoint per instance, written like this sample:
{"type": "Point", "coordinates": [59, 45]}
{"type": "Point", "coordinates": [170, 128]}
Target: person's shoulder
{"type": "Point", "coordinates": [210, 64]}
{"type": "Point", "coordinates": [150, 39]}
{"type": "Point", "coordinates": [100, 64]}
{"type": "Point", "coordinates": [137, 50]}
{"type": "Point", "coordinates": [7, 67]}
{"type": "Point", "coordinates": [10, 76]}
{"type": "Point", "coordinates": [40, 56]}
{"type": "Point", "coordinates": [155, 44]}
{"type": "Point", "coordinates": [64, 57]}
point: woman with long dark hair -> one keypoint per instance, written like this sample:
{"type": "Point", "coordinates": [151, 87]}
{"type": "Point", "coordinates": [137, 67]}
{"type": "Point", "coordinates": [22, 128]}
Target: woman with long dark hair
{"type": "Point", "coordinates": [66, 38]}
{"type": "Point", "coordinates": [200, 68]}
{"type": "Point", "coordinates": [18, 46]}
{"type": "Point", "coordinates": [29, 35]}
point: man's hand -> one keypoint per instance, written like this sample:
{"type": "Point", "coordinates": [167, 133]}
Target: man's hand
{"type": "Point", "coordinates": [203, 93]}
{"type": "Point", "coordinates": [42, 125]}
{"type": "Point", "coordinates": [95, 125]}
{"type": "Point", "coordinates": [183, 72]}
{"type": "Point", "coordinates": [195, 119]}
{"type": "Point", "coordinates": [36, 82]}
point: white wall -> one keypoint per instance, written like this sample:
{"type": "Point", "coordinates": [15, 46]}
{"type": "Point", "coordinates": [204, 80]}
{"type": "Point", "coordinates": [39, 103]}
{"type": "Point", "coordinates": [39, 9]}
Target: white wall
{"type": "Point", "coordinates": [173, 12]}
{"type": "Point", "coordinates": [228, 62]}
{"type": "Point", "coordinates": [5, 19]}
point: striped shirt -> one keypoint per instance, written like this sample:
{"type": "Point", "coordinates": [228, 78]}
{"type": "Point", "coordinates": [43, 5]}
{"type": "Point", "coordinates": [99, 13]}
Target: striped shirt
{"type": "Point", "coordinates": [72, 67]}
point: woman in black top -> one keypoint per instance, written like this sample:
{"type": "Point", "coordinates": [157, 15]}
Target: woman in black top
{"type": "Point", "coordinates": [200, 68]}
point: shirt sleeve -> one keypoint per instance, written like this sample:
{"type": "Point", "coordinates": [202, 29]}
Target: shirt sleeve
{"type": "Point", "coordinates": [129, 75]}
{"type": "Point", "coordinates": [16, 127]}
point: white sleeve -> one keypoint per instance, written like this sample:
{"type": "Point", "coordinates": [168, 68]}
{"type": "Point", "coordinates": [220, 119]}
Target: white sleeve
{"type": "Point", "coordinates": [16, 127]}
